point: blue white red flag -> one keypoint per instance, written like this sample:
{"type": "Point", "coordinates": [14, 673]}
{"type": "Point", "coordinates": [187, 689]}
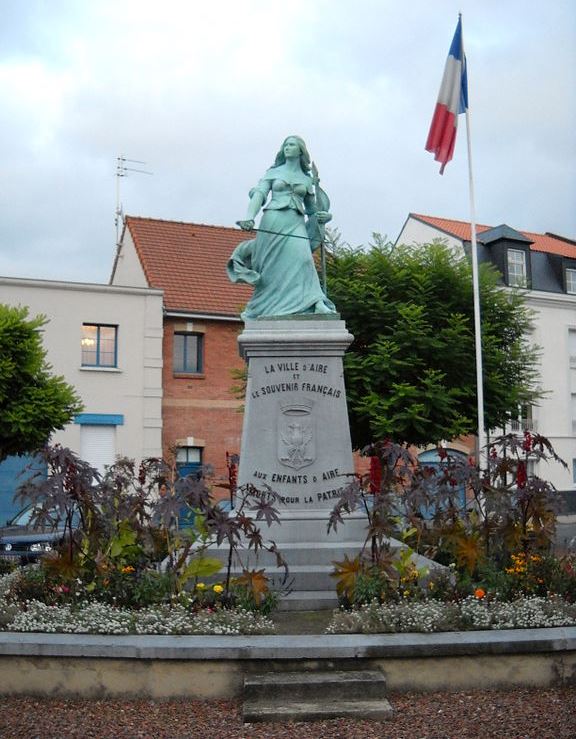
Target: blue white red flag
{"type": "Point", "coordinates": [452, 100]}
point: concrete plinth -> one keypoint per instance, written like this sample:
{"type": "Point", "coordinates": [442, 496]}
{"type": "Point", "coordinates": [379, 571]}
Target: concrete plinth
{"type": "Point", "coordinates": [296, 437]}
{"type": "Point", "coordinates": [296, 442]}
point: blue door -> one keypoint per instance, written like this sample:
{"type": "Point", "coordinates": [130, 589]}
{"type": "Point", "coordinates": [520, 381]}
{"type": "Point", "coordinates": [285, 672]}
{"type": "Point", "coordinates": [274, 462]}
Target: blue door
{"type": "Point", "coordinates": [431, 459]}
{"type": "Point", "coordinates": [188, 462]}
{"type": "Point", "coordinates": [186, 516]}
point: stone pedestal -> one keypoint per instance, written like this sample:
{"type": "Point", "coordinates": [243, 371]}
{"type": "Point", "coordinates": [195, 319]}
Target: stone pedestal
{"type": "Point", "coordinates": [296, 441]}
{"type": "Point", "coordinates": [296, 437]}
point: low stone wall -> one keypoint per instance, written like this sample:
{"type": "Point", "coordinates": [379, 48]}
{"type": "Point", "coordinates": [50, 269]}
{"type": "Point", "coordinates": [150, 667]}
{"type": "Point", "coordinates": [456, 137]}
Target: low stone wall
{"type": "Point", "coordinates": [207, 667]}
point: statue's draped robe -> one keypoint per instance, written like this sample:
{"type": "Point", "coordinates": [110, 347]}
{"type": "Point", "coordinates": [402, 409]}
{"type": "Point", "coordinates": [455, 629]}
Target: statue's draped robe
{"type": "Point", "coordinates": [279, 264]}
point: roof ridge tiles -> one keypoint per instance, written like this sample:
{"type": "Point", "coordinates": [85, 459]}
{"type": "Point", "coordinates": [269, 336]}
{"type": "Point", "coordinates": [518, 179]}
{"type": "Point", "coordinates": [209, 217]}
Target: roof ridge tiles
{"type": "Point", "coordinates": [448, 220]}
{"type": "Point", "coordinates": [541, 242]}
{"type": "Point", "coordinates": [182, 223]}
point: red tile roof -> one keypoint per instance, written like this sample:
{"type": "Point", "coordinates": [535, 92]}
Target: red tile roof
{"type": "Point", "coordinates": [188, 261]}
{"type": "Point", "coordinates": [548, 243]}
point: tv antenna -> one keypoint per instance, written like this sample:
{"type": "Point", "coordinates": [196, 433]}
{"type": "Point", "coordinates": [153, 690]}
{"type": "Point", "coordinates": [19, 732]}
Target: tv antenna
{"type": "Point", "coordinates": [122, 170]}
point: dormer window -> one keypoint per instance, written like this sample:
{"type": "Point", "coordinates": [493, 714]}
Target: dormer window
{"type": "Point", "coordinates": [516, 268]}
{"type": "Point", "coordinates": [571, 281]}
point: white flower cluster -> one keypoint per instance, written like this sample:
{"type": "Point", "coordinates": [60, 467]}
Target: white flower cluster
{"type": "Point", "coordinates": [7, 609]}
{"type": "Point", "coordinates": [94, 618]}
{"type": "Point", "coordinates": [100, 618]}
{"type": "Point", "coordinates": [529, 612]}
{"type": "Point", "coordinates": [5, 583]}
{"type": "Point", "coordinates": [471, 614]}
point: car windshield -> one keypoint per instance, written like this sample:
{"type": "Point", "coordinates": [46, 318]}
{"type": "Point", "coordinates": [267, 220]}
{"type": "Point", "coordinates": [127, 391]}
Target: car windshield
{"type": "Point", "coordinates": [23, 518]}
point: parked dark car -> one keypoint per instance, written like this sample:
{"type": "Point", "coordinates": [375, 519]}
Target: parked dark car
{"type": "Point", "coordinates": [22, 543]}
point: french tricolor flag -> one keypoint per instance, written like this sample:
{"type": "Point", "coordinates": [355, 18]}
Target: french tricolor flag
{"type": "Point", "coordinates": [452, 100]}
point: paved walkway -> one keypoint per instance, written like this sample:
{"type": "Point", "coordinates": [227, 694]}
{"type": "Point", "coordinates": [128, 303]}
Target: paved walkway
{"type": "Point", "coordinates": [301, 622]}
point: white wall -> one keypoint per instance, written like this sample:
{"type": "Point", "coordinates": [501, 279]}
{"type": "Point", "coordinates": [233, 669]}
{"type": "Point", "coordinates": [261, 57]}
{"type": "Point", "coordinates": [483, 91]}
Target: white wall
{"type": "Point", "coordinates": [555, 317]}
{"type": "Point", "coordinates": [132, 389]}
{"type": "Point", "coordinates": [416, 232]}
{"type": "Point", "coordinates": [127, 268]}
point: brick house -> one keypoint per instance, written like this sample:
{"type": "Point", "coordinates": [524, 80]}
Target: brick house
{"type": "Point", "coordinates": [202, 418]}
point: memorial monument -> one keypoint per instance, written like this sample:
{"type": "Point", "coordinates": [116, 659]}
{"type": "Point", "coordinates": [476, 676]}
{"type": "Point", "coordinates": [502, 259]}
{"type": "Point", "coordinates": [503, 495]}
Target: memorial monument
{"type": "Point", "coordinates": [296, 436]}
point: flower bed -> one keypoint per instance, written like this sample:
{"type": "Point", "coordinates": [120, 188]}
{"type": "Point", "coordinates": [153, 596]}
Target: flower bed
{"type": "Point", "coordinates": [471, 613]}
{"type": "Point", "coordinates": [94, 617]}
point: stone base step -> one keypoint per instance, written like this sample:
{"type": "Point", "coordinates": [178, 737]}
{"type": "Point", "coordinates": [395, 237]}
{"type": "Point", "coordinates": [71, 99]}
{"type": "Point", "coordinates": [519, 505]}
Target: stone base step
{"type": "Point", "coordinates": [304, 526]}
{"type": "Point", "coordinates": [306, 687]}
{"type": "Point", "coordinates": [309, 600]}
{"type": "Point", "coordinates": [299, 553]}
{"type": "Point", "coordinates": [276, 711]}
{"type": "Point", "coordinates": [315, 696]}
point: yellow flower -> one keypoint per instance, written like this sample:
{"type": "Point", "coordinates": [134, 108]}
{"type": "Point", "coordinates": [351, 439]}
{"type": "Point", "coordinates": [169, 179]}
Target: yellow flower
{"type": "Point", "coordinates": [200, 586]}
{"type": "Point", "coordinates": [218, 589]}
{"type": "Point", "coordinates": [128, 569]}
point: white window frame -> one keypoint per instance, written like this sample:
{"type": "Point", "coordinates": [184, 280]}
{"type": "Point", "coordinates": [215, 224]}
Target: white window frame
{"type": "Point", "coordinates": [517, 268]}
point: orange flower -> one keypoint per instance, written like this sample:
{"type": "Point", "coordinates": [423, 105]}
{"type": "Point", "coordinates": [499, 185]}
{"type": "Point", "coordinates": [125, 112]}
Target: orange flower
{"type": "Point", "coordinates": [479, 593]}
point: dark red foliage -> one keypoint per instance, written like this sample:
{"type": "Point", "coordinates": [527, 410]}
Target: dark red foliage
{"type": "Point", "coordinates": [375, 474]}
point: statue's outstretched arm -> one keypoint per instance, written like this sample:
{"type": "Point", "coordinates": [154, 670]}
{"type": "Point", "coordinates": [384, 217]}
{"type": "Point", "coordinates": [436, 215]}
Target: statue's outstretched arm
{"type": "Point", "coordinates": [256, 202]}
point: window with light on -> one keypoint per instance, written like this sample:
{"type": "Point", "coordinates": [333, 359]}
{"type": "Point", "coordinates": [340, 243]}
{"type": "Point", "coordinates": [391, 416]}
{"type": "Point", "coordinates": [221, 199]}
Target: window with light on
{"type": "Point", "coordinates": [99, 345]}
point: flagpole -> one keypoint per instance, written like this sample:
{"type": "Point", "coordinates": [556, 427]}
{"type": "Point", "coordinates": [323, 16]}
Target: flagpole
{"type": "Point", "coordinates": [453, 100]}
{"type": "Point", "coordinates": [476, 285]}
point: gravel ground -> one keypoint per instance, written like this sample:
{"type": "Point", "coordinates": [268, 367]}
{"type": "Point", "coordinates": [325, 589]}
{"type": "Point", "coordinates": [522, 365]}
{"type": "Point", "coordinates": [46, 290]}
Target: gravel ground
{"type": "Point", "coordinates": [517, 714]}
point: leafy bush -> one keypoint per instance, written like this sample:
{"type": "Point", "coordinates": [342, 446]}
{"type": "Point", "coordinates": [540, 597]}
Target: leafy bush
{"type": "Point", "coordinates": [6, 566]}
{"type": "Point", "coordinates": [124, 542]}
{"type": "Point", "coordinates": [532, 574]}
{"type": "Point", "coordinates": [500, 538]}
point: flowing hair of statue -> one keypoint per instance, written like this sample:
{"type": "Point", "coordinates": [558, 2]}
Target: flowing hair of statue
{"type": "Point", "coordinates": [305, 160]}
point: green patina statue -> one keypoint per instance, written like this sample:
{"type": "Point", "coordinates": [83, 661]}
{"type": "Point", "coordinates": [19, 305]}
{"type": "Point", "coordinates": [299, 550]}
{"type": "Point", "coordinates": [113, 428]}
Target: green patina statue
{"type": "Point", "coordinates": [278, 262]}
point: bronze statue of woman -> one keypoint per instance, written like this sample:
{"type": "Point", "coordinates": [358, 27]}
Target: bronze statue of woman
{"type": "Point", "coordinates": [278, 262]}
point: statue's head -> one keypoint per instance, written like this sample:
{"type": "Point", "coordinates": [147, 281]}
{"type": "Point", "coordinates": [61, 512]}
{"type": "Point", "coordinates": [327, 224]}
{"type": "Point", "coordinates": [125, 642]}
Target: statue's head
{"type": "Point", "coordinates": [304, 156]}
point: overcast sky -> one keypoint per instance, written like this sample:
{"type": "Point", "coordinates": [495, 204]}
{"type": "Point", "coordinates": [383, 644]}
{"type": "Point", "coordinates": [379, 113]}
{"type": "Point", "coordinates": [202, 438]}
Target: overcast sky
{"type": "Point", "coordinates": [205, 91]}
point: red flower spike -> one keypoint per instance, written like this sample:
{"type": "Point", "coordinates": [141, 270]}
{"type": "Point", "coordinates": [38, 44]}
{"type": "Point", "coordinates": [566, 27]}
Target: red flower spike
{"type": "Point", "coordinates": [375, 474]}
{"type": "Point", "coordinates": [521, 476]}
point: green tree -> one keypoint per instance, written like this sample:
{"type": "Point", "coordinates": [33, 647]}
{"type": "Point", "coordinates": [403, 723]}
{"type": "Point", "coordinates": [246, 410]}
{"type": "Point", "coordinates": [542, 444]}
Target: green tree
{"type": "Point", "coordinates": [33, 403]}
{"type": "Point", "coordinates": [411, 371]}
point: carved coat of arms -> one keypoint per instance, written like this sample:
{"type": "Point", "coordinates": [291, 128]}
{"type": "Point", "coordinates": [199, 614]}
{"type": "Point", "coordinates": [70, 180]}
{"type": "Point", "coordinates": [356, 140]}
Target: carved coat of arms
{"type": "Point", "coordinates": [296, 437]}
